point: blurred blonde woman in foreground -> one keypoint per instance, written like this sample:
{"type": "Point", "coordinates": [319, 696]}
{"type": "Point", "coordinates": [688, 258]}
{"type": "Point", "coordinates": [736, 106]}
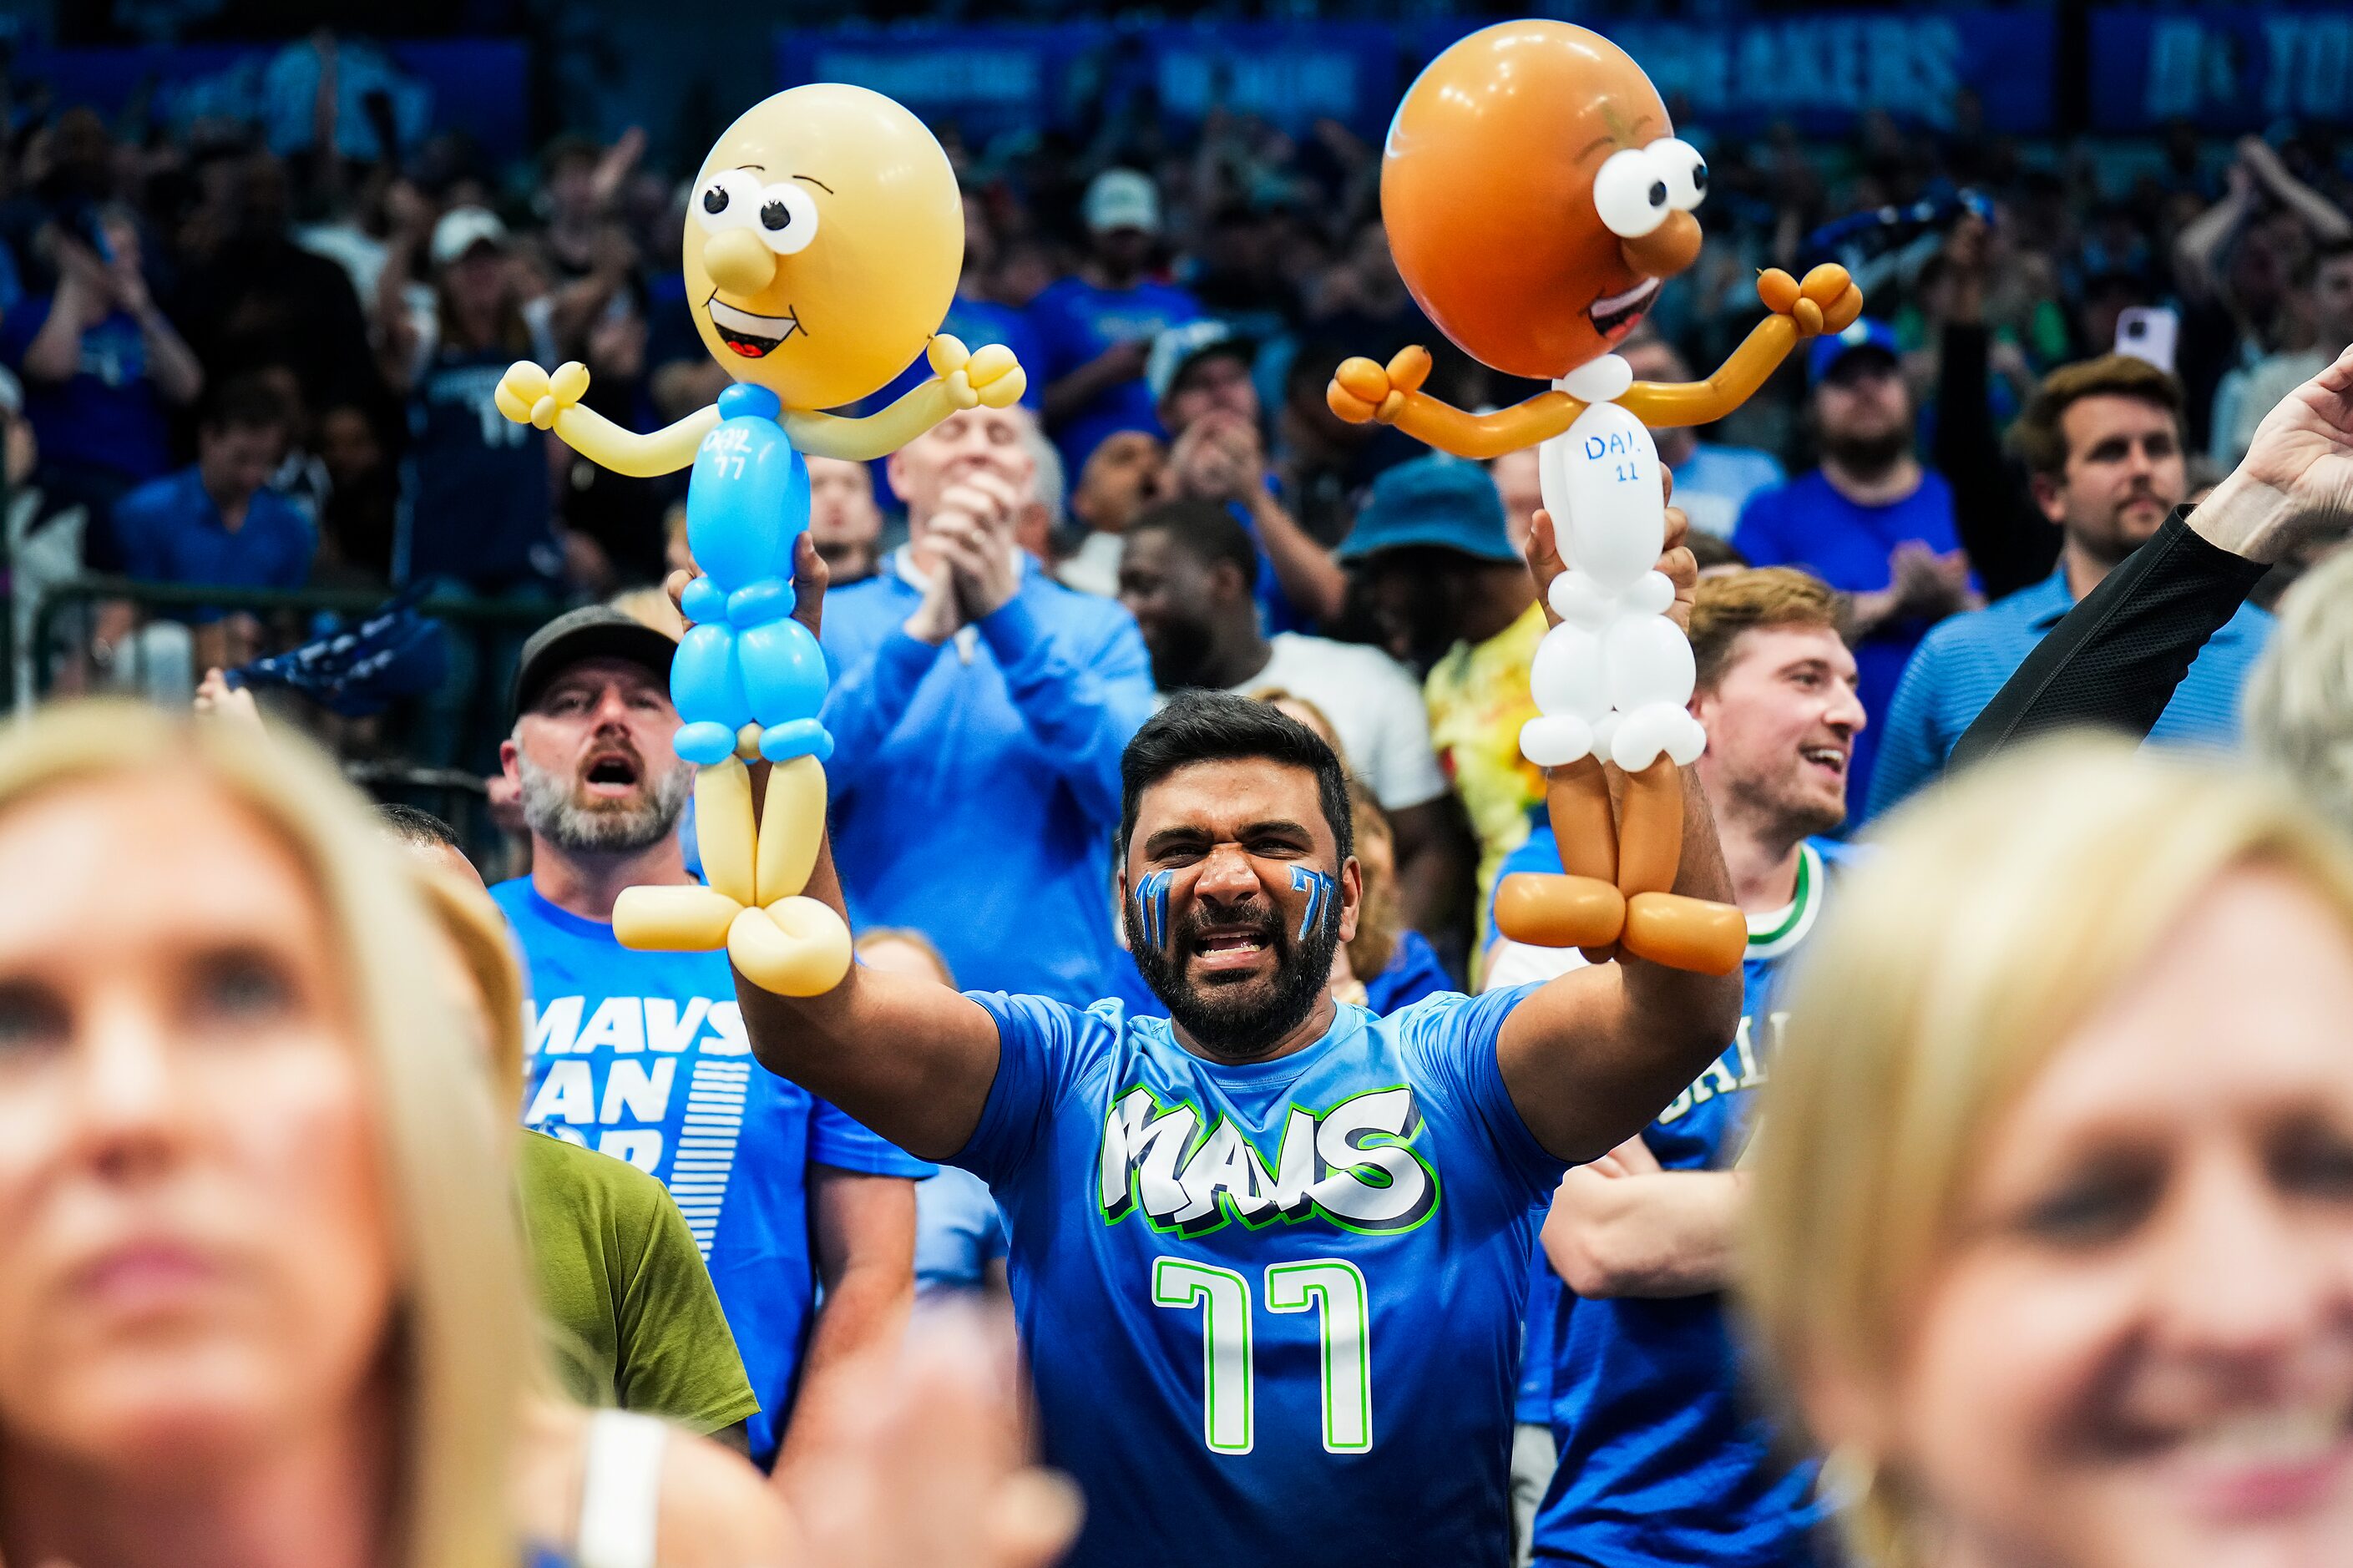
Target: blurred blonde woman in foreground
{"type": "Point", "coordinates": [2053, 1229]}
{"type": "Point", "coordinates": [261, 1303]}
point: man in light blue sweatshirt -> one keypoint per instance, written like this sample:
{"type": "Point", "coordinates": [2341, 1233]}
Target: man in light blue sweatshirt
{"type": "Point", "coordinates": [978, 711]}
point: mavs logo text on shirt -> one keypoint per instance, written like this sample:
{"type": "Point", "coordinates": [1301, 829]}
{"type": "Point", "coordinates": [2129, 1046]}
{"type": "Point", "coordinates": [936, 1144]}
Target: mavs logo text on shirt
{"type": "Point", "coordinates": [1351, 1164]}
{"type": "Point", "coordinates": [630, 1107]}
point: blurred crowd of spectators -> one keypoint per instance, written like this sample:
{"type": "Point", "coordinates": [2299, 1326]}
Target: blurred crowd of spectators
{"type": "Point", "coordinates": [231, 368]}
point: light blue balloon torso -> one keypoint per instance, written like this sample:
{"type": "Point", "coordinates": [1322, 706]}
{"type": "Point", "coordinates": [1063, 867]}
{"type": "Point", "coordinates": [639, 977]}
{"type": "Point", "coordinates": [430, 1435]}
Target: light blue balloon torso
{"type": "Point", "coordinates": [746, 661]}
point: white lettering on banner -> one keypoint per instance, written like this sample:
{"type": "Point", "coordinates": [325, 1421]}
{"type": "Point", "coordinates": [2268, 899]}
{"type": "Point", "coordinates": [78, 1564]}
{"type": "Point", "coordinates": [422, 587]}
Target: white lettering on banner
{"type": "Point", "coordinates": [1833, 64]}
{"type": "Point", "coordinates": [2310, 65]}
{"type": "Point", "coordinates": [556, 1027]}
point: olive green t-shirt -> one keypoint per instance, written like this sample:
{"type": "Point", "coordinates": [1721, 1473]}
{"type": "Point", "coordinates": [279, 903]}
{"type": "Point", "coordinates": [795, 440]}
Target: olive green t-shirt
{"type": "Point", "coordinates": [634, 1319]}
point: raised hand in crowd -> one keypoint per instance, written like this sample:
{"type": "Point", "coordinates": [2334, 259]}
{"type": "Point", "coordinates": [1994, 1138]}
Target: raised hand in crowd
{"type": "Point", "coordinates": [2295, 485]}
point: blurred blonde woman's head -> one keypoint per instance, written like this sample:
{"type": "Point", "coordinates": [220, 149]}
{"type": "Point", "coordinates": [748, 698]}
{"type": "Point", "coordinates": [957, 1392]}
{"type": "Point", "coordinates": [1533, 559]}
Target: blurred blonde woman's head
{"type": "Point", "coordinates": [2299, 697]}
{"type": "Point", "coordinates": [2052, 1222]}
{"type": "Point", "coordinates": [230, 1103]}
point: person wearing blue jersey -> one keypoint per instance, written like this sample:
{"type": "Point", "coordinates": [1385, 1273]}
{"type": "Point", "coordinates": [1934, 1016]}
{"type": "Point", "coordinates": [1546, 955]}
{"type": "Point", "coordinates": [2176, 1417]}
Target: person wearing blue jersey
{"type": "Point", "coordinates": [1268, 1255]}
{"type": "Point", "coordinates": [1095, 329]}
{"type": "Point", "coordinates": [643, 1056]}
{"type": "Point", "coordinates": [1872, 522]}
{"type": "Point", "coordinates": [977, 711]}
{"type": "Point", "coordinates": [1664, 1455]}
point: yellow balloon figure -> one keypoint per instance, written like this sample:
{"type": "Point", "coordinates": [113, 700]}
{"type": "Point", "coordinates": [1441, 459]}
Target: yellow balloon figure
{"type": "Point", "coordinates": [823, 243]}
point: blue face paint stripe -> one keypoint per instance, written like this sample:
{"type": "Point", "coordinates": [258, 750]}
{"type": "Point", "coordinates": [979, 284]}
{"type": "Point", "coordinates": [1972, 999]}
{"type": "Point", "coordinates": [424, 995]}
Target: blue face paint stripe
{"type": "Point", "coordinates": [1152, 907]}
{"type": "Point", "coordinates": [1318, 888]}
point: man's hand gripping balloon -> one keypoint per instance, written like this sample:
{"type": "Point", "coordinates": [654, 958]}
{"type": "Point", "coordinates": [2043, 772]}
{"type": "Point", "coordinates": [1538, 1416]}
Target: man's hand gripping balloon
{"type": "Point", "coordinates": [822, 248]}
{"type": "Point", "coordinates": [1536, 199]}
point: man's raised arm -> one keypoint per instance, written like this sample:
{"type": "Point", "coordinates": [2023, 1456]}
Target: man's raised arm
{"type": "Point", "coordinates": [907, 1057]}
{"type": "Point", "coordinates": [1596, 1053]}
{"type": "Point", "coordinates": [911, 1059]}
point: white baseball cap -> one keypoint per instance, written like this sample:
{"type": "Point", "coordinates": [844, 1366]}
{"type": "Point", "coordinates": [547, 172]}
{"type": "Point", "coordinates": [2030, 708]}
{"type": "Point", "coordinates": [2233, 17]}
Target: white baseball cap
{"type": "Point", "coordinates": [462, 228]}
{"type": "Point", "coordinates": [1121, 198]}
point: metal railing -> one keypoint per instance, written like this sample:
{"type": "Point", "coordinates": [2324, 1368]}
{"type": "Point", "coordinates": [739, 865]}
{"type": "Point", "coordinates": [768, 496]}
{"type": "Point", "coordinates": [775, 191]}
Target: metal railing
{"type": "Point", "coordinates": [453, 794]}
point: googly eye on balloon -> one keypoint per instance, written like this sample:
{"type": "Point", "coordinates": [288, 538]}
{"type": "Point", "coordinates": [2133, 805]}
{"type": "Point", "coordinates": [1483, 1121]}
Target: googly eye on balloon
{"type": "Point", "coordinates": [729, 199]}
{"type": "Point", "coordinates": [786, 217]}
{"type": "Point", "coordinates": [1630, 192]}
{"type": "Point", "coordinates": [1685, 172]}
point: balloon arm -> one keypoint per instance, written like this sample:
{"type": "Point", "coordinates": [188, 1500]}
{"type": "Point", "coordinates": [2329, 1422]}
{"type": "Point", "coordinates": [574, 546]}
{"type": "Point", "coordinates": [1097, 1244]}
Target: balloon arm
{"type": "Point", "coordinates": [876, 434]}
{"type": "Point", "coordinates": [1662, 404]}
{"type": "Point", "coordinates": [608, 446]}
{"type": "Point", "coordinates": [1485, 436]}
{"type": "Point", "coordinates": [1589, 1057]}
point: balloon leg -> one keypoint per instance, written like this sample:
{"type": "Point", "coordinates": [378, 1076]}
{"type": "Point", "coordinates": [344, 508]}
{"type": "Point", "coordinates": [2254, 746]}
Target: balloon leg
{"type": "Point", "coordinates": [1651, 830]}
{"type": "Point", "coordinates": [673, 919]}
{"type": "Point", "coordinates": [1577, 799]}
{"type": "Point", "coordinates": [1582, 907]}
{"type": "Point", "coordinates": [792, 823]}
{"type": "Point", "coordinates": [722, 829]}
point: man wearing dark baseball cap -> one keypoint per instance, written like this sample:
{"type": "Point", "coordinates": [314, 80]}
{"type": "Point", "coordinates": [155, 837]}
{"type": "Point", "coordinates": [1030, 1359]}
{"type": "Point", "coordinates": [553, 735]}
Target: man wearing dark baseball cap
{"type": "Point", "coordinates": [1872, 522]}
{"type": "Point", "coordinates": [642, 1056]}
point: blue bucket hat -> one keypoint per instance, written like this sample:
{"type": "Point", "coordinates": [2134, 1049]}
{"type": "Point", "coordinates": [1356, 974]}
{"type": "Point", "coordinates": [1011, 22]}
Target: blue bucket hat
{"type": "Point", "coordinates": [1438, 499]}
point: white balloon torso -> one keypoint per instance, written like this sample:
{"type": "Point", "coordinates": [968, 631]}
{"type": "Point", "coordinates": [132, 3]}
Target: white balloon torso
{"type": "Point", "coordinates": [1613, 680]}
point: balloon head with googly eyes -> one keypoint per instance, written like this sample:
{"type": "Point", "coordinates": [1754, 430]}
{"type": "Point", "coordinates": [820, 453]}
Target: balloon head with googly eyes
{"type": "Point", "coordinates": [1536, 196]}
{"type": "Point", "coordinates": [824, 237]}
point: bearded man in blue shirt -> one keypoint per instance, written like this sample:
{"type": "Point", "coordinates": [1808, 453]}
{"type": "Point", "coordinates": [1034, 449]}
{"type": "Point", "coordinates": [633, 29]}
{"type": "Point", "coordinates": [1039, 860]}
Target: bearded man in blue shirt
{"type": "Point", "coordinates": [1268, 1255]}
{"type": "Point", "coordinates": [643, 1056]}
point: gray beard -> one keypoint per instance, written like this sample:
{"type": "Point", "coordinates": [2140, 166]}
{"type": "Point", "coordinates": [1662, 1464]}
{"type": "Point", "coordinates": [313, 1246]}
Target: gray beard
{"type": "Point", "coordinates": [554, 810]}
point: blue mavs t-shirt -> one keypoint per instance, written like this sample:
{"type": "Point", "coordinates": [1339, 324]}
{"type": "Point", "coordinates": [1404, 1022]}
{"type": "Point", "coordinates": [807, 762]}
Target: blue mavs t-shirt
{"type": "Point", "coordinates": [1665, 1454]}
{"type": "Point", "coordinates": [643, 1056]}
{"type": "Point", "coordinates": [1272, 1311]}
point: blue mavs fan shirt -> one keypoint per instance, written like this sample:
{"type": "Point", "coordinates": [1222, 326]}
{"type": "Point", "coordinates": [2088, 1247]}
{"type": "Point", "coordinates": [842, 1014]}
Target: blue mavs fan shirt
{"type": "Point", "coordinates": [643, 1056]}
{"type": "Point", "coordinates": [1666, 1453]}
{"type": "Point", "coordinates": [1272, 1311]}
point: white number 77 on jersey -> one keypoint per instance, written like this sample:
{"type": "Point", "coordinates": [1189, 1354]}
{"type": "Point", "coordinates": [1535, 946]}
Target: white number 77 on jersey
{"type": "Point", "coordinates": [1331, 1284]}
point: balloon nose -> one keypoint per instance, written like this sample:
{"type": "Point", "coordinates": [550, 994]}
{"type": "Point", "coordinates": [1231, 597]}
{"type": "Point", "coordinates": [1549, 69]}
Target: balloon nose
{"type": "Point", "coordinates": [739, 264]}
{"type": "Point", "coordinates": [1666, 250]}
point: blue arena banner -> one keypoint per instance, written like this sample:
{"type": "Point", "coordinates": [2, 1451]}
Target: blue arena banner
{"type": "Point", "coordinates": [1820, 71]}
{"type": "Point", "coordinates": [478, 86]}
{"type": "Point", "coordinates": [2222, 68]}
{"type": "Point", "coordinates": [997, 79]}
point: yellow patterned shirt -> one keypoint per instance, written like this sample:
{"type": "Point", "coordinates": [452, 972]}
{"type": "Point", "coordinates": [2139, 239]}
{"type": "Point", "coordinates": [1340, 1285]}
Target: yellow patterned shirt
{"type": "Point", "coordinates": [1478, 699]}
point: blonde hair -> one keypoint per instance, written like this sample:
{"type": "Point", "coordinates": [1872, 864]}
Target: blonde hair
{"type": "Point", "coordinates": [1993, 917]}
{"type": "Point", "coordinates": [478, 933]}
{"type": "Point", "coordinates": [907, 936]}
{"type": "Point", "coordinates": [2299, 697]}
{"type": "Point", "coordinates": [462, 1337]}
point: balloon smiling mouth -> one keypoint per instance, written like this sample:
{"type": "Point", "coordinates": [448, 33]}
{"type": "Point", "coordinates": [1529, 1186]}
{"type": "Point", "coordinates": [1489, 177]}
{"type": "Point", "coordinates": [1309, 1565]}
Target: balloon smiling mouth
{"type": "Point", "coordinates": [1614, 317]}
{"type": "Point", "coordinates": [751, 336]}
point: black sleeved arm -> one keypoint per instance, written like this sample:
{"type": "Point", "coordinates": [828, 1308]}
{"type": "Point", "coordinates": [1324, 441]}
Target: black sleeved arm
{"type": "Point", "coordinates": [2010, 545]}
{"type": "Point", "coordinates": [2116, 657]}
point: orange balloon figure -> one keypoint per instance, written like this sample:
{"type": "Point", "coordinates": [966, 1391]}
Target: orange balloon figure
{"type": "Point", "coordinates": [1536, 197]}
